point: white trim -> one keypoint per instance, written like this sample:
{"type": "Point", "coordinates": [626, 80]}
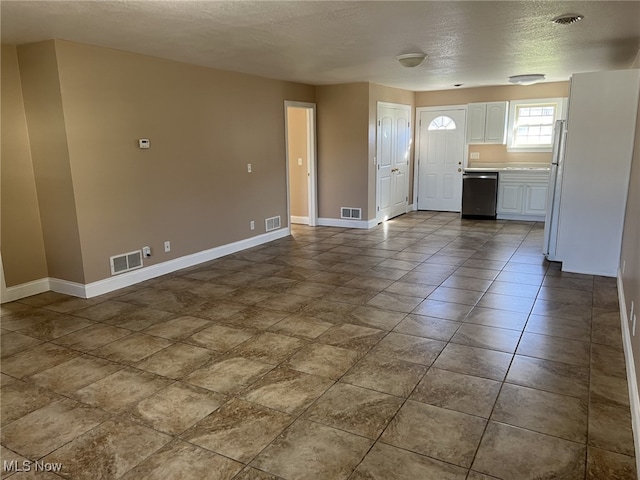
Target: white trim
{"type": "Point", "coordinates": [520, 217]}
{"type": "Point", "coordinates": [139, 275]}
{"type": "Point", "coordinates": [312, 155]}
{"type": "Point", "coordinates": [416, 149]}
{"type": "Point", "coordinates": [131, 278]}
{"type": "Point", "coordinates": [413, 207]}
{"type": "Point", "coordinates": [405, 108]}
{"type": "Point", "coordinates": [513, 105]}
{"type": "Point", "coordinates": [69, 288]}
{"type": "Point", "coordinates": [340, 222]}
{"type": "Point", "coordinates": [302, 220]}
{"type": "Point", "coordinates": [632, 382]}
{"type": "Point", "coordinates": [10, 294]}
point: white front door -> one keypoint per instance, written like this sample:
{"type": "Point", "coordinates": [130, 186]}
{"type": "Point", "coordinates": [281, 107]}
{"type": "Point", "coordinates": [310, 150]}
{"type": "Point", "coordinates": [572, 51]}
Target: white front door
{"type": "Point", "coordinates": [441, 147]}
{"type": "Point", "coordinates": [393, 148]}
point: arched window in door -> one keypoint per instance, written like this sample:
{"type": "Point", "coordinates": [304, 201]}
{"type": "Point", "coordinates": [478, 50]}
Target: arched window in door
{"type": "Point", "coordinates": [442, 123]}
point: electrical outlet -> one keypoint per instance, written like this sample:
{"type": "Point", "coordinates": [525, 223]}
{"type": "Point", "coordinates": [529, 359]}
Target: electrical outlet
{"type": "Point", "coordinates": [252, 225]}
{"type": "Point", "coordinates": [167, 246]}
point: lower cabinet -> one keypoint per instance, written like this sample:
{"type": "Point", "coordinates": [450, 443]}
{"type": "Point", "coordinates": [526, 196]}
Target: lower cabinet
{"type": "Point", "coordinates": [522, 195]}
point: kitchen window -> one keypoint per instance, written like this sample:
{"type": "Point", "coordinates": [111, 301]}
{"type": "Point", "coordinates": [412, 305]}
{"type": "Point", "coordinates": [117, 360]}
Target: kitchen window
{"type": "Point", "coordinates": [531, 124]}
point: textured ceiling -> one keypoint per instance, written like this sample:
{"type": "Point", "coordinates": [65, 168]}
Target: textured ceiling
{"type": "Point", "coordinates": [474, 43]}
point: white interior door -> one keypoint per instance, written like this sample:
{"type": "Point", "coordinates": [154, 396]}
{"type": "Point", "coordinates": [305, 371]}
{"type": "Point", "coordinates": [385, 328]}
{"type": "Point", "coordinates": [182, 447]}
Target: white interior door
{"type": "Point", "coordinates": [393, 147]}
{"type": "Point", "coordinates": [441, 149]}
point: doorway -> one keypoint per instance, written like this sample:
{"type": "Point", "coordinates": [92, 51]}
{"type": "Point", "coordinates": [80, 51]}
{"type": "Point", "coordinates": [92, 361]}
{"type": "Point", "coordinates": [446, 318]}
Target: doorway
{"type": "Point", "coordinates": [300, 133]}
{"type": "Point", "coordinates": [393, 148]}
{"type": "Point", "coordinates": [440, 157]}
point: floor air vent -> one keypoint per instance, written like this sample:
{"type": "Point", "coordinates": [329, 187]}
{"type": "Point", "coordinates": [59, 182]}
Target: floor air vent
{"type": "Point", "coordinates": [125, 262]}
{"type": "Point", "coordinates": [348, 212]}
{"type": "Point", "coordinates": [272, 223]}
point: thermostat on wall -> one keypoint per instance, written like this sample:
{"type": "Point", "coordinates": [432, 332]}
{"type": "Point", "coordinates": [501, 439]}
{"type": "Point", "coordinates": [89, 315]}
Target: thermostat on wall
{"type": "Point", "coordinates": [143, 143]}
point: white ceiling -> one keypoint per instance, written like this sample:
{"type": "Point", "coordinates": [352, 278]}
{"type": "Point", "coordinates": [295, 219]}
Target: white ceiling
{"type": "Point", "coordinates": [475, 43]}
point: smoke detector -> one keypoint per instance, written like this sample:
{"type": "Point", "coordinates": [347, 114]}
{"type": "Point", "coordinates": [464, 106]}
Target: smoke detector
{"type": "Point", "coordinates": [567, 19]}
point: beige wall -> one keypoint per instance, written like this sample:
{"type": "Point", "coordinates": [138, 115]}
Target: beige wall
{"type": "Point", "coordinates": [496, 153]}
{"type": "Point", "coordinates": [382, 93]}
{"type": "Point", "coordinates": [23, 254]}
{"type": "Point", "coordinates": [298, 138]}
{"type": "Point", "coordinates": [87, 106]}
{"type": "Point", "coordinates": [631, 246]}
{"type": "Point", "coordinates": [50, 156]}
{"type": "Point", "coordinates": [343, 149]}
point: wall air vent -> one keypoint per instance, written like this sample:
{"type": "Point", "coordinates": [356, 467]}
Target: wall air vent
{"type": "Point", "coordinates": [125, 262]}
{"type": "Point", "coordinates": [353, 213]}
{"type": "Point", "coordinates": [272, 223]}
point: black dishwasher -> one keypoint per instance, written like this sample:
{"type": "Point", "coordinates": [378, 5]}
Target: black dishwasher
{"type": "Point", "coordinates": [479, 194]}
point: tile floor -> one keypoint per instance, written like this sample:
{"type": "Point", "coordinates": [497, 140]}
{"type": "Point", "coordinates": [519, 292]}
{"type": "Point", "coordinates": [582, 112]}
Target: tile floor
{"type": "Point", "coordinates": [426, 348]}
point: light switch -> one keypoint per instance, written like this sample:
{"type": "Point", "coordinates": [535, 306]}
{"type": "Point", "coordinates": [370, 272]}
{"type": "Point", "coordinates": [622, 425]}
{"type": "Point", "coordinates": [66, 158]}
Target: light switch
{"type": "Point", "coordinates": [249, 167]}
{"type": "Point", "coordinates": [474, 155]}
{"type": "Point", "coordinates": [299, 161]}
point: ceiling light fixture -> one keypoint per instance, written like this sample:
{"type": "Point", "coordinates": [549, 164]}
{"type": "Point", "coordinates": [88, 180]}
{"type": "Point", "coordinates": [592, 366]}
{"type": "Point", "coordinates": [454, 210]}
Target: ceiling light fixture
{"type": "Point", "coordinates": [567, 19]}
{"type": "Point", "coordinates": [526, 79]}
{"type": "Point", "coordinates": [411, 60]}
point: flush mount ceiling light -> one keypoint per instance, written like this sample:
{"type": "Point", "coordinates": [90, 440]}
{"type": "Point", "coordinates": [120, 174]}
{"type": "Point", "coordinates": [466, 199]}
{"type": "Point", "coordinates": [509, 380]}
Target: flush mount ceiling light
{"type": "Point", "coordinates": [567, 19]}
{"type": "Point", "coordinates": [411, 60]}
{"type": "Point", "coordinates": [526, 79]}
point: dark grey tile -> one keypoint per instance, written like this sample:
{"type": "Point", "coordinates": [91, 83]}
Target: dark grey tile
{"type": "Point", "coordinates": [409, 348]}
{"type": "Point", "coordinates": [492, 317]}
{"type": "Point", "coordinates": [354, 409]}
{"type": "Point", "coordinates": [474, 361]}
{"type": "Point", "coordinates": [456, 391]}
{"type": "Point", "coordinates": [386, 375]}
{"type": "Point", "coordinates": [543, 412]}
{"type": "Point", "coordinates": [512, 452]}
{"type": "Point", "coordinates": [429, 327]}
{"type": "Point", "coordinates": [550, 376]}
{"type": "Point", "coordinates": [386, 462]}
{"type": "Point", "coordinates": [310, 451]}
{"type": "Point", "coordinates": [500, 339]}
{"type": "Point", "coordinates": [439, 433]}
{"type": "Point", "coordinates": [557, 349]}
{"type": "Point", "coordinates": [609, 465]}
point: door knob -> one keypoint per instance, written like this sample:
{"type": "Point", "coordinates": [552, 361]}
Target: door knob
{"type": "Point", "coordinates": [459, 169]}
{"type": "Point", "coordinates": [395, 170]}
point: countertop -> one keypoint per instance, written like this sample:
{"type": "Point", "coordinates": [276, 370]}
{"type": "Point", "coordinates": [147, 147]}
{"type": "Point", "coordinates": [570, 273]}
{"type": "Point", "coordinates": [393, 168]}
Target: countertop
{"type": "Point", "coordinates": [474, 167]}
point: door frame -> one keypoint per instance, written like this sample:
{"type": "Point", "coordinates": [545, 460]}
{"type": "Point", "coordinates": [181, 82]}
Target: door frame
{"type": "Point", "coordinates": [312, 171]}
{"type": "Point", "coordinates": [379, 218]}
{"type": "Point", "coordinates": [416, 151]}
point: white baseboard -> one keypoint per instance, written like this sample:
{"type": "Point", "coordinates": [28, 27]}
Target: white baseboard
{"type": "Point", "coordinates": [523, 218]}
{"type": "Point", "coordinates": [25, 290]}
{"type": "Point", "coordinates": [413, 207]}
{"type": "Point", "coordinates": [342, 222]}
{"type": "Point", "coordinates": [302, 220]}
{"type": "Point", "coordinates": [632, 381]}
{"type": "Point", "coordinates": [140, 275]}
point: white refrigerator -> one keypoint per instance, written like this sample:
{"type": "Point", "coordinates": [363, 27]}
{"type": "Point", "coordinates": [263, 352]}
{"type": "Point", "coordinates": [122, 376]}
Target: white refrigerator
{"type": "Point", "coordinates": [590, 172]}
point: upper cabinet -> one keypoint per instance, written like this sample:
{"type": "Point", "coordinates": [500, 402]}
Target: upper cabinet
{"type": "Point", "coordinates": [487, 122]}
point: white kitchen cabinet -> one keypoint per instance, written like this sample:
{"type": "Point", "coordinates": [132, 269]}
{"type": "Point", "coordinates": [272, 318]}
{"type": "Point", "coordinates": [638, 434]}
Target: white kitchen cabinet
{"type": "Point", "coordinates": [522, 195]}
{"type": "Point", "coordinates": [487, 122]}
